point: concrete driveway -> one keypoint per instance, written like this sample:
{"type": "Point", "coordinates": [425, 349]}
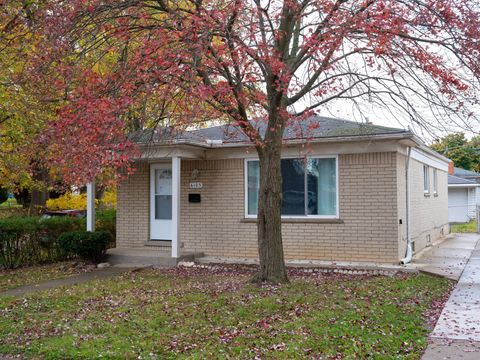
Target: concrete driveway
{"type": "Point", "coordinates": [457, 332]}
{"type": "Point", "coordinates": [449, 258]}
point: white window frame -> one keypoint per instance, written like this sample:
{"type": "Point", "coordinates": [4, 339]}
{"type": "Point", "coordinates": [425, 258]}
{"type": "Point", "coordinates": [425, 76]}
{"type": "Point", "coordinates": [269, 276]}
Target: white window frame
{"type": "Point", "coordinates": [426, 179]}
{"type": "Point", "coordinates": [336, 216]}
{"type": "Point", "coordinates": [435, 181]}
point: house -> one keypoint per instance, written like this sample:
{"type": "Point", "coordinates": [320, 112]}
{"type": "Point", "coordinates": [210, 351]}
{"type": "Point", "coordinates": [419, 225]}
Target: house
{"type": "Point", "coordinates": [463, 195]}
{"type": "Point", "coordinates": [355, 192]}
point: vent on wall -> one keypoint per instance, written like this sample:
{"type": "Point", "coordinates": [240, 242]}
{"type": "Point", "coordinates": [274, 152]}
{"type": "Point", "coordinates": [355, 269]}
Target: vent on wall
{"type": "Point", "coordinates": [413, 246]}
{"type": "Point", "coordinates": [429, 240]}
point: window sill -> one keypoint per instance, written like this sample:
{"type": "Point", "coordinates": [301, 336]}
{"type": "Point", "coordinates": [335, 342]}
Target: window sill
{"type": "Point", "coordinates": [426, 194]}
{"type": "Point", "coordinates": [435, 194]}
{"type": "Point", "coordinates": [299, 221]}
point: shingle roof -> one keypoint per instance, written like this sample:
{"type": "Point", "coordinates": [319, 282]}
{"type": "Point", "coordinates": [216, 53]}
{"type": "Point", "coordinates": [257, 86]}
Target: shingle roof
{"type": "Point", "coordinates": [315, 127]}
{"type": "Point", "coordinates": [455, 180]}
{"type": "Point", "coordinates": [462, 172]}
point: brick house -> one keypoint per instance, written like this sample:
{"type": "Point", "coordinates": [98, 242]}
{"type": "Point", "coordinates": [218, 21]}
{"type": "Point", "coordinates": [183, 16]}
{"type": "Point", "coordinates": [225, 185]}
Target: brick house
{"type": "Point", "coordinates": [355, 192]}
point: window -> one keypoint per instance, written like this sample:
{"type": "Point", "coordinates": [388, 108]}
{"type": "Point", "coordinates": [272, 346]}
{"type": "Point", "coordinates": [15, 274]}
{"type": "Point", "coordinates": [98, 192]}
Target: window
{"type": "Point", "coordinates": [309, 187]}
{"type": "Point", "coordinates": [435, 186]}
{"type": "Point", "coordinates": [426, 180]}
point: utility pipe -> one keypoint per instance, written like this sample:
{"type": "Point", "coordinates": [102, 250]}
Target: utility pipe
{"type": "Point", "coordinates": [409, 252]}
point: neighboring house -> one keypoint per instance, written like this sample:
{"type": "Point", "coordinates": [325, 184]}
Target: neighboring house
{"type": "Point", "coordinates": [345, 194]}
{"type": "Point", "coordinates": [466, 174]}
{"type": "Point", "coordinates": [463, 195]}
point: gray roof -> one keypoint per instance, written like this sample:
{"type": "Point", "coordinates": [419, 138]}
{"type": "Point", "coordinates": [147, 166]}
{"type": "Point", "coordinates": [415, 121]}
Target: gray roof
{"type": "Point", "coordinates": [455, 180]}
{"type": "Point", "coordinates": [315, 127]}
{"type": "Point", "coordinates": [465, 173]}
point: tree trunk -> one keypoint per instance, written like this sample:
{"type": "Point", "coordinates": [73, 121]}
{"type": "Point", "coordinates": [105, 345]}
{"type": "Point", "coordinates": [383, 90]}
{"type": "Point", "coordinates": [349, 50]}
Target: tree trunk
{"type": "Point", "coordinates": [39, 200]}
{"type": "Point", "coordinates": [39, 191]}
{"type": "Point", "coordinates": [269, 221]}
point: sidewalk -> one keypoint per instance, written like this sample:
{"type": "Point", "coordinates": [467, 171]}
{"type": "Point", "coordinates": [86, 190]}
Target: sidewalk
{"type": "Point", "coordinates": [457, 332]}
{"type": "Point", "coordinates": [448, 258]}
{"type": "Point", "coordinates": [72, 280]}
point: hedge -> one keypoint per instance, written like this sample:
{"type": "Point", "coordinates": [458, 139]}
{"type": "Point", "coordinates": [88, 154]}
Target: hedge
{"type": "Point", "coordinates": [34, 240]}
{"type": "Point", "coordinates": [90, 246]}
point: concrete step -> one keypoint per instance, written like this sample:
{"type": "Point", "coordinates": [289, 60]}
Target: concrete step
{"type": "Point", "coordinates": [147, 256]}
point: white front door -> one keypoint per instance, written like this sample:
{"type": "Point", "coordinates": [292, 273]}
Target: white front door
{"type": "Point", "coordinates": [161, 202]}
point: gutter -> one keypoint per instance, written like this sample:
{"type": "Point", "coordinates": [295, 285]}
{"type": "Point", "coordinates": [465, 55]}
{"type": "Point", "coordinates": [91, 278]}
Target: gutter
{"type": "Point", "coordinates": [218, 144]}
{"type": "Point", "coordinates": [462, 185]}
{"type": "Point", "coordinates": [409, 252]}
{"type": "Point", "coordinates": [426, 149]}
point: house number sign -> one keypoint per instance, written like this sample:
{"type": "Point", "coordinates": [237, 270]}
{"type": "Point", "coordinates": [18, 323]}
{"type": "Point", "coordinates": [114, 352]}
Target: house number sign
{"type": "Point", "coordinates": [196, 185]}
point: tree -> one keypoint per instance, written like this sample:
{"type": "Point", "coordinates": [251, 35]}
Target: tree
{"type": "Point", "coordinates": [23, 115]}
{"type": "Point", "coordinates": [275, 60]}
{"type": "Point", "coordinates": [457, 148]}
{"type": "Point", "coordinates": [474, 146]}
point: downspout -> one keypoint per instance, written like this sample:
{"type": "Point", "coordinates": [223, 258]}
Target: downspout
{"type": "Point", "coordinates": [409, 253]}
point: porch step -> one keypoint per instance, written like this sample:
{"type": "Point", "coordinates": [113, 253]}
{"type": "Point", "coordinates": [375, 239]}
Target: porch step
{"type": "Point", "coordinates": [148, 256]}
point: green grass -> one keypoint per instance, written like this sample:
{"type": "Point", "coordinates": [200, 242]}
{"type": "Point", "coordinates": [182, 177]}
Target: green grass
{"type": "Point", "coordinates": [10, 203]}
{"type": "Point", "coordinates": [11, 208]}
{"type": "Point", "coordinates": [200, 313]}
{"type": "Point", "coordinates": [470, 227]}
{"type": "Point", "coordinates": [10, 279]}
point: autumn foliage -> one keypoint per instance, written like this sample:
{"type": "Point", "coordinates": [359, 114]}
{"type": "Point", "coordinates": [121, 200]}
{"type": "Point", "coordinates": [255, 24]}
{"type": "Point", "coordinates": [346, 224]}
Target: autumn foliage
{"type": "Point", "coordinates": [123, 65]}
{"type": "Point", "coordinates": [245, 59]}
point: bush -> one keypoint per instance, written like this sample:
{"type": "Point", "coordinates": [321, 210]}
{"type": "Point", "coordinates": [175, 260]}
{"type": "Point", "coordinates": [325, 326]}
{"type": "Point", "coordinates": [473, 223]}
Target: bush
{"type": "Point", "coordinates": [33, 240]}
{"type": "Point", "coordinates": [106, 221]}
{"type": "Point", "coordinates": [69, 201]}
{"type": "Point", "coordinates": [90, 246]}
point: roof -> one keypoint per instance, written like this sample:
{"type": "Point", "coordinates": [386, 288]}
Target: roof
{"type": "Point", "coordinates": [465, 173]}
{"type": "Point", "coordinates": [315, 127]}
{"type": "Point", "coordinates": [455, 180]}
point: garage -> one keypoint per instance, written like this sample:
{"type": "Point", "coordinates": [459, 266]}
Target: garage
{"type": "Point", "coordinates": [461, 199]}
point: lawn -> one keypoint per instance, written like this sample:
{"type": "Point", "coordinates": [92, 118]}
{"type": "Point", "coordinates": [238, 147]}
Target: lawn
{"type": "Point", "coordinates": [215, 313]}
{"type": "Point", "coordinates": [470, 227]}
{"type": "Point", "coordinates": [10, 279]}
{"type": "Point", "coordinates": [10, 203]}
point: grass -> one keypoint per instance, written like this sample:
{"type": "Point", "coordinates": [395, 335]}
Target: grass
{"type": "Point", "coordinates": [10, 203]}
{"type": "Point", "coordinates": [470, 227]}
{"type": "Point", "coordinates": [10, 208]}
{"type": "Point", "coordinates": [214, 313]}
{"type": "Point", "coordinates": [10, 279]}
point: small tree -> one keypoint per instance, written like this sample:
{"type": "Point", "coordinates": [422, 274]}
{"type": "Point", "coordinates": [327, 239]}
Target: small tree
{"type": "Point", "coordinates": [238, 60]}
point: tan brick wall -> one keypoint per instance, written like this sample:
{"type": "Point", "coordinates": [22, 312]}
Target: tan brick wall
{"type": "Point", "coordinates": [367, 206]}
{"type": "Point", "coordinates": [133, 208]}
{"type": "Point", "coordinates": [429, 214]}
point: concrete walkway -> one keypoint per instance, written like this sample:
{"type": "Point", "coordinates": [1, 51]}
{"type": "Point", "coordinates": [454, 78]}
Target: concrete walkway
{"type": "Point", "coordinates": [448, 258]}
{"type": "Point", "coordinates": [68, 281]}
{"type": "Point", "coordinates": [457, 332]}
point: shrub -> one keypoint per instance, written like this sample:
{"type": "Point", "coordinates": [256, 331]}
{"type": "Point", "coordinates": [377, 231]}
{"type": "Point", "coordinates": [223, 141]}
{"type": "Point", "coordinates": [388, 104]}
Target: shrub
{"type": "Point", "coordinates": [33, 240]}
{"type": "Point", "coordinates": [69, 201]}
{"type": "Point", "coordinates": [106, 221]}
{"type": "Point", "coordinates": [109, 200]}
{"type": "Point", "coordinates": [90, 246]}
{"type": "Point", "coordinates": [67, 243]}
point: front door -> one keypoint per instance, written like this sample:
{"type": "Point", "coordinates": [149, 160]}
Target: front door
{"type": "Point", "coordinates": [161, 202]}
